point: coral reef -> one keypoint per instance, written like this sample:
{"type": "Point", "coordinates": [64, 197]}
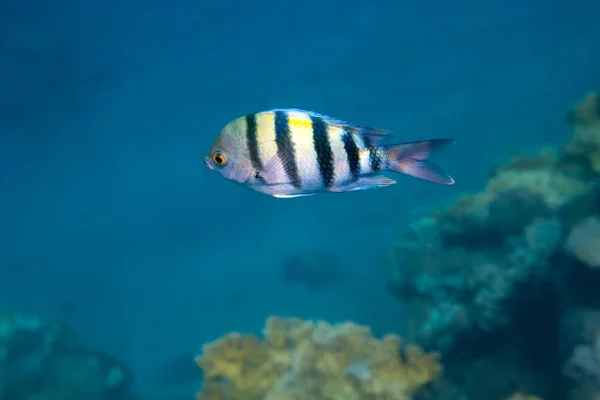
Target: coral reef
{"type": "Point", "coordinates": [470, 289]}
{"type": "Point", "coordinates": [42, 361]}
{"type": "Point", "coordinates": [487, 277]}
{"type": "Point", "coordinates": [580, 337]}
{"type": "Point", "coordinates": [583, 242]}
{"type": "Point", "coordinates": [298, 359]}
{"type": "Point", "coordinates": [584, 150]}
{"type": "Point", "coordinates": [583, 367]}
{"type": "Point", "coordinates": [521, 396]}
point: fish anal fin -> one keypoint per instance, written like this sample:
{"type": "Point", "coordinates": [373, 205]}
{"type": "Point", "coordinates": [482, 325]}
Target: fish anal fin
{"type": "Point", "coordinates": [291, 196]}
{"type": "Point", "coordinates": [366, 182]}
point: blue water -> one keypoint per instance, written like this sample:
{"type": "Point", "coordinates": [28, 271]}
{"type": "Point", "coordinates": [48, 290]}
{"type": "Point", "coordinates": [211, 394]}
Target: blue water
{"type": "Point", "coordinates": [109, 107]}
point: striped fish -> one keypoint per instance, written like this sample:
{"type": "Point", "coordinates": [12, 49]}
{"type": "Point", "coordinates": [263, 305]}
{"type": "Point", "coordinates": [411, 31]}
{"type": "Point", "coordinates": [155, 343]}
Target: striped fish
{"type": "Point", "coordinates": [290, 153]}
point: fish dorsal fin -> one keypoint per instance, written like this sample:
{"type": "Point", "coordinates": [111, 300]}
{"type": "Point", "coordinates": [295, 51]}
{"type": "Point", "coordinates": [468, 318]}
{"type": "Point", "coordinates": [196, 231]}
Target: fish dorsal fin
{"type": "Point", "coordinates": [371, 136]}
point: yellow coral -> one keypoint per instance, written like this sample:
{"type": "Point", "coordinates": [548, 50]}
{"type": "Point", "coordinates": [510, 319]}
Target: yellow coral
{"type": "Point", "coordinates": [300, 360]}
{"type": "Point", "coordinates": [243, 361]}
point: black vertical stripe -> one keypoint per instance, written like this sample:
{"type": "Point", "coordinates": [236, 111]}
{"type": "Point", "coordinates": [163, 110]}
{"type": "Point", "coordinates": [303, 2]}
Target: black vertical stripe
{"type": "Point", "coordinates": [252, 142]}
{"type": "Point", "coordinates": [352, 154]}
{"type": "Point", "coordinates": [323, 148]}
{"type": "Point", "coordinates": [285, 148]}
{"type": "Point", "coordinates": [374, 158]}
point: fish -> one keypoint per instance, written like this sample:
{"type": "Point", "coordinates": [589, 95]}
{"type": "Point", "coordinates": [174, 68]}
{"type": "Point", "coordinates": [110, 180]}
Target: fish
{"type": "Point", "coordinates": [287, 153]}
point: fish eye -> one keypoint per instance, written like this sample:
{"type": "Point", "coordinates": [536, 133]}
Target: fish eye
{"type": "Point", "coordinates": [219, 158]}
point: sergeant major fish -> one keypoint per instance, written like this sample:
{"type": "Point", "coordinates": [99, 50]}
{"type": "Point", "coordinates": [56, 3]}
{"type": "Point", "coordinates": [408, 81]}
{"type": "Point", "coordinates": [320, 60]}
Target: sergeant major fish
{"type": "Point", "coordinates": [289, 153]}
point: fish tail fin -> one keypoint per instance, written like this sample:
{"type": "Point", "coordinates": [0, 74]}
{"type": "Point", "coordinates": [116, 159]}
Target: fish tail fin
{"type": "Point", "coordinates": [413, 159]}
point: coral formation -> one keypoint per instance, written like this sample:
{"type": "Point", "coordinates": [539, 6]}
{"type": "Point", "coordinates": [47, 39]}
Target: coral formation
{"type": "Point", "coordinates": [583, 242]}
{"type": "Point", "coordinates": [521, 396]}
{"type": "Point", "coordinates": [580, 338]}
{"type": "Point", "coordinates": [470, 290]}
{"type": "Point", "coordinates": [298, 359]}
{"type": "Point", "coordinates": [584, 148]}
{"type": "Point", "coordinates": [42, 361]}
{"type": "Point", "coordinates": [490, 273]}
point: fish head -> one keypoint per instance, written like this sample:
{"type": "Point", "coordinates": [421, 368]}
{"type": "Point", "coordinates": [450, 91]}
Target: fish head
{"type": "Point", "coordinates": [227, 156]}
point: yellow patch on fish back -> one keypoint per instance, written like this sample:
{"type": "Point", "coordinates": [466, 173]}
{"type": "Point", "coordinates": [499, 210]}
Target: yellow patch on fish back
{"type": "Point", "coordinates": [295, 119]}
{"type": "Point", "coordinates": [300, 123]}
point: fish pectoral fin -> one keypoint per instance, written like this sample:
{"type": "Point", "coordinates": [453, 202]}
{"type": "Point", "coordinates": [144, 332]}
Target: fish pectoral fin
{"type": "Point", "coordinates": [367, 182]}
{"type": "Point", "coordinates": [273, 172]}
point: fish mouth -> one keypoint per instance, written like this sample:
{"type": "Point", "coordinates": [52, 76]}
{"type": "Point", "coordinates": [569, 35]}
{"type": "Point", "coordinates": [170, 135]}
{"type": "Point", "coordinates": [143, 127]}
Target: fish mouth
{"type": "Point", "coordinates": [208, 164]}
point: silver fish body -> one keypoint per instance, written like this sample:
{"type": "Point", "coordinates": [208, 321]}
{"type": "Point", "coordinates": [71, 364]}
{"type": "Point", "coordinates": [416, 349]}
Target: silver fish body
{"type": "Point", "coordinates": [289, 153]}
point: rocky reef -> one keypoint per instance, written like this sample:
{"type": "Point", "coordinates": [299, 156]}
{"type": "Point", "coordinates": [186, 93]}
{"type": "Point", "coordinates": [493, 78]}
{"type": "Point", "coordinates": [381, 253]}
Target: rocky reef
{"type": "Point", "coordinates": [498, 281]}
{"type": "Point", "coordinates": [42, 361]}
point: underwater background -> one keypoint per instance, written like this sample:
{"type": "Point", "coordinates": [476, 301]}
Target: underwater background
{"type": "Point", "coordinates": [120, 251]}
